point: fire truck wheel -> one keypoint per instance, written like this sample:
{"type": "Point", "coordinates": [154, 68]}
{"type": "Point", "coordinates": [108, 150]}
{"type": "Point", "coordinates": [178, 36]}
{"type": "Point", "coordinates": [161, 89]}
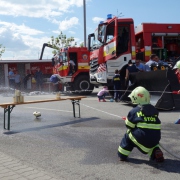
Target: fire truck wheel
{"type": "Point", "coordinates": [82, 85]}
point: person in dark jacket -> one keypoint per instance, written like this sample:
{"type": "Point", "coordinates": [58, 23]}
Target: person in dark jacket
{"type": "Point", "coordinates": [117, 85]}
{"type": "Point", "coordinates": [130, 69]}
{"type": "Point", "coordinates": [25, 80]}
{"type": "Point", "coordinates": [144, 128]}
{"type": "Point", "coordinates": [39, 79]}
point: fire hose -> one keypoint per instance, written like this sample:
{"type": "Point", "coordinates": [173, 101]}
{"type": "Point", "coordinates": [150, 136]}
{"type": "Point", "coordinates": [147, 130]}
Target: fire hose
{"type": "Point", "coordinates": [169, 151]}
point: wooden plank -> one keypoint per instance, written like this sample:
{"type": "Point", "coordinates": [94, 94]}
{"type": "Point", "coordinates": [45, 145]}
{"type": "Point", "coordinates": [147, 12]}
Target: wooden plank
{"type": "Point", "coordinates": [4, 105]}
{"type": "Point", "coordinates": [30, 102]}
{"type": "Point", "coordinates": [76, 97]}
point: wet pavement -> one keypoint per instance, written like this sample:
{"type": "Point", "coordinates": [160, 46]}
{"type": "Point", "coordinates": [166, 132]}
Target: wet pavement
{"type": "Point", "coordinates": [59, 146]}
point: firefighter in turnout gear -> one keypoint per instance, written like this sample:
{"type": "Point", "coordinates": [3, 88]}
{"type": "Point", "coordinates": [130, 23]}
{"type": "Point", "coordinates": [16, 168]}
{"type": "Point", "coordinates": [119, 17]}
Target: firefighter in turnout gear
{"type": "Point", "coordinates": [144, 128]}
{"type": "Point", "coordinates": [177, 68]}
{"type": "Point", "coordinates": [177, 72]}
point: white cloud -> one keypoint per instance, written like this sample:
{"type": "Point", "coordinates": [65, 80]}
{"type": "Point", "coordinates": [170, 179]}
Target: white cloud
{"type": "Point", "coordinates": [23, 46]}
{"type": "Point", "coordinates": [56, 32]}
{"type": "Point", "coordinates": [72, 32]}
{"type": "Point", "coordinates": [25, 42]}
{"type": "Point", "coordinates": [12, 41]}
{"type": "Point", "coordinates": [19, 29]}
{"type": "Point", "coordinates": [41, 9]}
{"type": "Point", "coordinates": [67, 24]}
{"type": "Point", "coordinates": [97, 19]}
{"type": "Point", "coordinates": [18, 40]}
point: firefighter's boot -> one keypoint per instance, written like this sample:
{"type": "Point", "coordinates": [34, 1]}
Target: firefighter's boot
{"type": "Point", "coordinates": [157, 156]}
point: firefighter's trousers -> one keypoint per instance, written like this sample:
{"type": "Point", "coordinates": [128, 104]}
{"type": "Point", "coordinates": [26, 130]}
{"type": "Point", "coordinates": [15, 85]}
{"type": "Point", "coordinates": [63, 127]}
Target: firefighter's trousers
{"type": "Point", "coordinates": [127, 145]}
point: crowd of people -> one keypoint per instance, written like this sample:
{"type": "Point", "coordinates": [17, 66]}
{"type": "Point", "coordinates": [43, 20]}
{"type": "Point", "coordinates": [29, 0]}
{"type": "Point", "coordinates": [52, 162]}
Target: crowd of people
{"type": "Point", "coordinates": [14, 79]}
{"type": "Point", "coordinates": [37, 77]}
{"type": "Point", "coordinates": [122, 79]}
{"type": "Point", "coordinates": [153, 64]}
{"type": "Point", "coordinates": [17, 82]}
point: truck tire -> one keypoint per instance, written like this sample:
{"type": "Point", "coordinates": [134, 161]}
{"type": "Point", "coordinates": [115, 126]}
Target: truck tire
{"type": "Point", "coordinates": [82, 85]}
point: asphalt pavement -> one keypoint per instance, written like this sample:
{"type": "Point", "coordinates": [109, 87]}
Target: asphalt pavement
{"type": "Point", "coordinates": [59, 146]}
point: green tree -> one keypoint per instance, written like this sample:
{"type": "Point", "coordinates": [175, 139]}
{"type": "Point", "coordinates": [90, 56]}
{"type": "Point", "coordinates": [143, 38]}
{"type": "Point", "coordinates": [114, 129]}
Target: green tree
{"type": "Point", "coordinates": [61, 42]}
{"type": "Point", "coordinates": [2, 50]}
{"type": "Point", "coordinates": [81, 44]}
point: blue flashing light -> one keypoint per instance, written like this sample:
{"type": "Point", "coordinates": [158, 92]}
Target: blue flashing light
{"type": "Point", "coordinates": [101, 22]}
{"type": "Point", "coordinates": [109, 16]}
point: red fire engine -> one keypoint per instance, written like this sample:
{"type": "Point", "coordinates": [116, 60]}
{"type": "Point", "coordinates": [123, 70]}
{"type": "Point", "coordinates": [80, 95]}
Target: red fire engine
{"type": "Point", "coordinates": [111, 46]}
{"type": "Point", "coordinates": [156, 38]}
{"type": "Point", "coordinates": [115, 42]}
{"type": "Point", "coordinates": [78, 81]}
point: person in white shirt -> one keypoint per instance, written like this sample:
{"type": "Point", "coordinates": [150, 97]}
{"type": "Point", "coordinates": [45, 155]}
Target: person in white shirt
{"type": "Point", "coordinates": [152, 60]}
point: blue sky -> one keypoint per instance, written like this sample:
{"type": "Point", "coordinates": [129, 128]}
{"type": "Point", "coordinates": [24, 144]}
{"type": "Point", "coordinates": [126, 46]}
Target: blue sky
{"type": "Point", "coordinates": [26, 24]}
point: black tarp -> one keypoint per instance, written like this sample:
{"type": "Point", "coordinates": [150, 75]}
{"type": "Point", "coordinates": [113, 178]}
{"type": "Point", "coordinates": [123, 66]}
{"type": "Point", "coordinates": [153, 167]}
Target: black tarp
{"type": "Point", "coordinates": [160, 84]}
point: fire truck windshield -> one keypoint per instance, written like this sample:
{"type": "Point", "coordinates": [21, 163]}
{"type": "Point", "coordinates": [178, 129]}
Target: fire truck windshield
{"type": "Point", "coordinates": [94, 42]}
{"type": "Point", "coordinates": [101, 32]}
{"type": "Point", "coordinates": [63, 56]}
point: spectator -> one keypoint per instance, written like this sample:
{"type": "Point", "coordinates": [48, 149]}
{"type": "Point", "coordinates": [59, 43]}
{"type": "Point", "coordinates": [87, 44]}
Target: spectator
{"type": "Point", "coordinates": [152, 60]}
{"type": "Point", "coordinates": [147, 68]}
{"type": "Point", "coordinates": [174, 58]}
{"type": "Point", "coordinates": [117, 85]}
{"type": "Point", "coordinates": [25, 80]}
{"type": "Point", "coordinates": [140, 66]}
{"type": "Point", "coordinates": [122, 73]}
{"type": "Point", "coordinates": [39, 79]}
{"type": "Point", "coordinates": [11, 78]}
{"type": "Point", "coordinates": [130, 69]}
{"type": "Point", "coordinates": [160, 62]}
{"type": "Point", "coordinates": [17, 79]}
{"type": "Point", "coordinates": [102, 94]}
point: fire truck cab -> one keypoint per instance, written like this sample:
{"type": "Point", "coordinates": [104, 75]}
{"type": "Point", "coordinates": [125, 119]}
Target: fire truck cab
{"type": "Point", "coordinates": [111, 46]}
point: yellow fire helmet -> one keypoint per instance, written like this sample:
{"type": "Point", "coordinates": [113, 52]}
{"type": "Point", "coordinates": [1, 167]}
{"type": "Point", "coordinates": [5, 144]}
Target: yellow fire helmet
{"type": "Point", "coordinates": [140, 96]}
{"type": "Point", "coordinates": [177, 65]}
